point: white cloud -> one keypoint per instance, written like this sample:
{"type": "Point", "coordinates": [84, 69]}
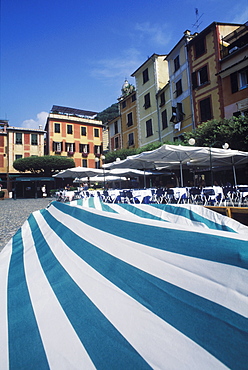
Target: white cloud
{"type": "Point", "coordinates": [154, 33]}
{"type": "Point", "coordinates": [121, 66]}
{"type": "Point", "coordinates": [35, 123]}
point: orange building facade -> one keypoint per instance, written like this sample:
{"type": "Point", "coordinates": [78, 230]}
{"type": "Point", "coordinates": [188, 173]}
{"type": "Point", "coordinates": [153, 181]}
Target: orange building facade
{"type": "Point", "coordinates": [76, 134]}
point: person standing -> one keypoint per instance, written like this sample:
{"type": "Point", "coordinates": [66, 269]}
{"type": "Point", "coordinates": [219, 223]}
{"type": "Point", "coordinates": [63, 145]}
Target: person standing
{"type": "Point", "coordinates": [43, 189]}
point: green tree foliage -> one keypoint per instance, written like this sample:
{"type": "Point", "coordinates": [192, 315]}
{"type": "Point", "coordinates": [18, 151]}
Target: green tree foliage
{"type": "Point", "coordinates": [124, 153]}
{"type": "Point", "coordinates": [215, 133]}
{"type": "Point", "coordinates": [109, 113]}
{"type": "Point", "coordinates": [45, 165]}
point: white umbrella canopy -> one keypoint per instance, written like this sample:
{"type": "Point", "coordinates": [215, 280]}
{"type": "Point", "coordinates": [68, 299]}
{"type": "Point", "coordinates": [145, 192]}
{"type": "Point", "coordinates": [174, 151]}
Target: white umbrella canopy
{"type": "Point", "coordinates": [173, 156]}
{"type": "Point", "coordinates": [100, 178]}
{"type": "Point", "coordinates": [130, 172]}
{"type": "Point", "coordinates": [79, 172]}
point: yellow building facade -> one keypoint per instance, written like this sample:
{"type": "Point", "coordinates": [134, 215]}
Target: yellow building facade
{"type": "Point", "coordinates": [150, 77]}
{"type": "Point", "coordinates": [128, 114]}
{"type": "Point", "coordinates": [204, 60]}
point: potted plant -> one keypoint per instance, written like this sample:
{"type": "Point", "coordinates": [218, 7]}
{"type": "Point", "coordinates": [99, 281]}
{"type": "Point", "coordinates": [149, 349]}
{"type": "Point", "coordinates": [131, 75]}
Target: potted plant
{"type": "Point", "coordinates": [2, 194]}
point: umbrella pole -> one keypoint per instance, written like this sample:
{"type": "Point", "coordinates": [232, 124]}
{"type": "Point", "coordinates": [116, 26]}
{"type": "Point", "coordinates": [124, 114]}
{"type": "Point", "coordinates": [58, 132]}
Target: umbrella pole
{"type": "Point", "coordinates": [234, 175]}
{"type": "Point", "coordinates": [181, 173]}
{"type": "Point", "coordinates": [144, 179]}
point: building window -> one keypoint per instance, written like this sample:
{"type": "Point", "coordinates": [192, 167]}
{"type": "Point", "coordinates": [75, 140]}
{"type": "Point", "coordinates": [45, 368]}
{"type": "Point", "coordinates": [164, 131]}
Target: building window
{"type": "Point", "coordinates": [84, 149]}
{"type": "Point", "coordinates": [57, 147]}
{"type": "Point", "coordinates": [130, 119]}
{"type": "Point", "coordinates": [84, 163]}
{"type": "Point", "coordinates": [149, 131]}
{"type": "Point", "coordinates": [69, 129]}
{"type": "Point", "coordinates": [239, 80]}
{"type": "Point", "coordinates": [200, 77]}
{"type": "Point", "coordinates": [176, 63]}
{"type": "Point", "coordinates": [130, 139]}
{"type": "Point", "coordinates": [147, 101]}
{"type": "Point", "coordinates": [162, 99]}
{"type": "Point", "coordinates": [124, 104]}
{"type": "Point", "coordinates": [97, 150]}
{"type": "Point", "coordinates": [177, 113]}
{"type": "Point", "coordinates": [83, 131]}
{"type": "Point", "coordinates": [18, 138]}
{"type": "Point", "coordinates": [133, 97]}
{"type": "Point", "coordinates": [205, 110]}
{"type": "Point", "coordinates": [96, 132]}
{"type": "Point", "coordinates": [116, 142]}
{"type": "Point", "coordinates": [179, 88]}
{"type": "Point", "coordinates": [116, 127]}
{"type": "Point", "coordinates": [57, 128]}
{"type": "Point", "coordinates": [164, 119]}
{"type": "Point", "coordinates": [200, 47]}
{"type": "Point", "coordinates": [145, 76]}
{"type": "Point", "coordinates": [243, 79]}
{"type": "Point", "coordinates": [34, 139]}
{"type": "Point", "coordinates": [70, 148]}
{"type": "Point", "coordinates": [18, 156]}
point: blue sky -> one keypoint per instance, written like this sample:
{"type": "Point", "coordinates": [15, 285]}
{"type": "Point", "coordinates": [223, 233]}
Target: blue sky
{"type": "Point", "coordinates": [78, 53]}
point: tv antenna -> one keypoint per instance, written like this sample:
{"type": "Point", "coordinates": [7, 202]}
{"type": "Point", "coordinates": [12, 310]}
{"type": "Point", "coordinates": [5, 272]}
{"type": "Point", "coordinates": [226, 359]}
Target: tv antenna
{"type": "Point", "coordinates": [197, 22]}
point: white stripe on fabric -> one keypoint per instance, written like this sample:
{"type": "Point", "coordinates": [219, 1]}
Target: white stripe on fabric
{"type": "Point", "coordinates": [4, 267]}
{"type": "Point", "coordinates": [170, 217]}
{"type": "Point", "coordinates": [151, 336]}
{"type": "Point", "coordinates": [206, 213]}
{"type": "Point", "coordinates": [205, 278]}
{"type": "Point", "coordinates": [216, 217]}
{"type": "Point", "coordinates": [166, 225]}
{"type": "Point", "coordinates": [97, 203]}
{"type": "Point", "coordinates": [123, 211]}
{"type": "Point", "coordinates": [63, 348]}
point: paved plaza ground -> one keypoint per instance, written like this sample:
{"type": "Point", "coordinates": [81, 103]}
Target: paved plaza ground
{"type": "Point", "coordinates": [13, 213]}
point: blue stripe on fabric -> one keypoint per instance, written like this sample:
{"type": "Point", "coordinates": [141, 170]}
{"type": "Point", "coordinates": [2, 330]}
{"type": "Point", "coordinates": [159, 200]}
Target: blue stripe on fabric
{"type": "Point", "coordinates": [91, 202]}
{"type": "Point", "coordinates": [107, 348]}
{"type": "Point", "coordinates": [193, 216]}
{"type": "Point", "coordinates": [79, 202]}
{"type": "Point", "coordinates": [220, 331]}
{"type": "Point", "coordinates": [107, 208]}
{"type": "Point", "coordinates": [139, 212]}
{"type": "Point", "coordinates": [25, 344]}
{"type": "Point", "coordinates": [199, 245]}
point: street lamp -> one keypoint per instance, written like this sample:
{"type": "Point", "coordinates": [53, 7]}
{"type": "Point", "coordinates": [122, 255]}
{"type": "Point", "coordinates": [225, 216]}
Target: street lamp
{"type": "Point", "coordinates": [191, 141]}
{"type": "Point", "coordinates": [103, 159]}
{"type": "Point", "coordinates": [97, 162]}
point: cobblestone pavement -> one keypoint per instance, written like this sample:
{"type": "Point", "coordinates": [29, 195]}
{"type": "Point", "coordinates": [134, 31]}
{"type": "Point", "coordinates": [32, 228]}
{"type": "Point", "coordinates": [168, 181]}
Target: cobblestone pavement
{"type": "Point", "coordinates": [13, 213]}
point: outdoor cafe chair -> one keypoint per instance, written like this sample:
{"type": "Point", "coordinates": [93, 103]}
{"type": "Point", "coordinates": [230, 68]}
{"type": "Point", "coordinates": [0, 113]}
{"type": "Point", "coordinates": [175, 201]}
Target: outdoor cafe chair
{"type": "Point", "coordinates": [170, 197]}
{"type": "Point", "coordinates": [159, 195]}
{"type": "Point", "coordinates": [107, 197]}
{"type": "Point", "coordinates": [229, 196]}
{"type": "Point", "coordinates": [242, 195]}
{"type": "Point", "coordinates": [195, 195]}
{"type": "Point", "coordinates": [126, 196]}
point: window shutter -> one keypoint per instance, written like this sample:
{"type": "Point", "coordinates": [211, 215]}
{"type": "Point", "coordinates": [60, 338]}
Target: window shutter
{"type": "Point", "coordinates": [194, 80]}
{"type": "Point", "coordinates": [234, 82]}
{"type": "Point", "coordinates": [179, 112]}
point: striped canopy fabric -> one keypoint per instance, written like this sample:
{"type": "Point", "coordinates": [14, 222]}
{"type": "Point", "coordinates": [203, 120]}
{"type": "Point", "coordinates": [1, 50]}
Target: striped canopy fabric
{"type": "Point", "coordinates": [94, 285]}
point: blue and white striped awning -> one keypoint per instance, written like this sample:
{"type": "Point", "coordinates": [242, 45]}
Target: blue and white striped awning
{"type": "Point", "coordinates": [84, 288]}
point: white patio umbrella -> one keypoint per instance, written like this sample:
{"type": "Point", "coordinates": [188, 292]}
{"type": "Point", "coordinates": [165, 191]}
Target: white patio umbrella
{"type": "Point", "coordinates": [100, 178]}
{"type": "Point", "coordinates": [173, 156]}
{"type": "Point", "coordinates": [79, 172]}
{"type": "Point", "coordinates": [131, 166]}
